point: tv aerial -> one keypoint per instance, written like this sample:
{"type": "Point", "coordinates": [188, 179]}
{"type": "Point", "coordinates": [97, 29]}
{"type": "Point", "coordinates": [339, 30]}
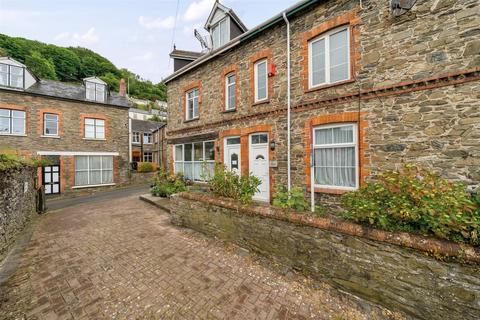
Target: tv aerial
{"type": "Point", "coordinates": [399, 7]}
{"type": "Point", "coordinates": [203, 41]}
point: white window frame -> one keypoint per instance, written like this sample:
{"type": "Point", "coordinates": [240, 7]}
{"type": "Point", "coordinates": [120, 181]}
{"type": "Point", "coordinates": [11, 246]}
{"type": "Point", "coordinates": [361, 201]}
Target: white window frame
{"type": "Point", "coordinates": [101, 172]}
{"type": "Point", "coordinates": [9, 76]}
{"type": "Point", "coordinates": [10, 119]}
{"type": "Point", "coordinates": [147, 137]}
{"type": "Point", "coordinates": [187, 100]}
{"type": "Point", "coordinates": [150, 155]}
{"type": "Point", "coordinates": [326, 36]}
{"type": "Point", "coordinates": [255, 67]}
{"type": "Point", "coordinates": [193, 162]}
{"type": "Point", "coordinates": [338, 145]}
{"type": "Point", "coordinates": [95, 125]}
{"type": "Point", "coordinates": [217, 42]}
{"type": "Point", "coordinates": [102, 98]}
{"type": "Point", "coordinates": [228, 107]}
{"type": "Point", "coordinates": [135, 137]}
{"type": "Point", "coordinates": [45, 124]}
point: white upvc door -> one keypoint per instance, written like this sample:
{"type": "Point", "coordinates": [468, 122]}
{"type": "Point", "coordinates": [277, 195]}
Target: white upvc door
{"type": "Point", "coordinates": [259, 164]}
{"type": "Point", "coordinates": [231, 155]}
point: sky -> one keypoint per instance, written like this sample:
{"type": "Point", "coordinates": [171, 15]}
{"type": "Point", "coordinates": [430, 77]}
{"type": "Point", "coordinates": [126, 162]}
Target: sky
{"type": "Point", "coordinates": [133, 34]}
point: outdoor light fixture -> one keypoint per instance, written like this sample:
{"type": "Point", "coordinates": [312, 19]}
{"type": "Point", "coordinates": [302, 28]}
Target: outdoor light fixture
{"type": "Point", "coordinates": [272, 145]}
{"type": "Point", "coordinates": [218, 147]}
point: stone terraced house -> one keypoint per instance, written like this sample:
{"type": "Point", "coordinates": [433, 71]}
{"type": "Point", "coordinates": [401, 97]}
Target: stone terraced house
{"type": "Point", "coordinates": [82, 129]}
{"type": "Point", "coordinates": [367, 89]}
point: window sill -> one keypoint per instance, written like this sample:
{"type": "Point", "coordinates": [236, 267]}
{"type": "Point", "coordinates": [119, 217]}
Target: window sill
{"type": "Point", "coordinates": [229, 111]}
{"type": "Point", "coordinates": [93, 139]}
{"type": "Point", "coordinates": [191, 120]}
{"type": "Point", "coordinates": [94, 186]}
{"type": "Point", "coordinates": [46, 136]}
{"type": "Point", "coordinates": [329, 85]}
{"type": "Point", "coordinates": [261, 102]}
{"type": "Point", "coordinates": [13, 134]}
{"type": "Point", "coordinates": [330, 190]}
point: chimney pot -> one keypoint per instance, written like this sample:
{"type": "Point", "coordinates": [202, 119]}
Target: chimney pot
{"type": "Point", "coordinates": [122, 89]}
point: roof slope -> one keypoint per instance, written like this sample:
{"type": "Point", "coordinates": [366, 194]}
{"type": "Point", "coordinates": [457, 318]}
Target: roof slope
{"type": "Point", "coordinates": [146, 125]}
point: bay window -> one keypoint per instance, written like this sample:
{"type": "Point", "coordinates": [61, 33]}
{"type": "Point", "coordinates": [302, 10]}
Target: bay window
{"type": "Point", "coordinates": [12, 122]}
{"type": "Point", "coordinates": [192, 104]}
{"type": "Point", "coordinates": [329, 58]}
{"type": "Point", "coordinates": [261, 81]}
{"type": "Point", "coordinates": [336, 156]}
{"type": "Point", "coordinates": [196, 161]}
{"type": "Point", "coordinates": [93, 170]}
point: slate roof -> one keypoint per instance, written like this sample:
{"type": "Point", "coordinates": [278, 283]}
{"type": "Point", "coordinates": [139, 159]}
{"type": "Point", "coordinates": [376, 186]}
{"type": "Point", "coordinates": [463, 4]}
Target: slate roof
{"type": "Point", "coordinates": [72, 92]}
{"type": "Point", "coordinates": [146, 125]}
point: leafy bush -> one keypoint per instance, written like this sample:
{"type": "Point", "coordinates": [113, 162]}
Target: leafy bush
{"type": "Point", "coordinates": [145, 167]}
{"type": "Point", "coordinates": [295, 199]}
{"type": "Point", "coordinates": [226, 183]}
{"type": "Point", "coordinates": [165, 185]}
{"type": "Point", "coordinates": [12, 161]}
{"type": "Point", "coordinates": [416, 200]}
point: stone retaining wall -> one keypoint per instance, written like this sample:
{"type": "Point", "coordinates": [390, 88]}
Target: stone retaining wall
{"type": "Point", "coordinates": [17, 204]}
{"type": "Point", "coordinates": [345, 255]}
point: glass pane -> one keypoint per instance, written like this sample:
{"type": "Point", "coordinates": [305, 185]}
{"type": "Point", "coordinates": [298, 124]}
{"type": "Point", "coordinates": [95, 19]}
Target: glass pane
{"type": "Point", "coordinates": [318, 62]}
{"type": "Point", "coordinates": [343, 134]}
{"type": "Point", "coordinates": [3, 79]}
{"type": "Point", "coordinates": [100, 133]}
{"type": "Point", "coordinates": [107, 176]}
{"type": "Point", "coordinates": [233, 140]}
{"type": "Point", "coordinates": [81, 162]}
{"type": "Point", "coordinates": [18, 114]}
{"type": "Point", "coordinates": [339, 56]}
{"type": "Point", "coordinates": [188, 170]}
{"type": "Point", "coordinates": [195, 107]}
{"type": "Point", "coordinates": [179, 167]}
{"type": "Point", "coordinates": [18, 126]}
{"type": "Point", "coordinates": [51, 127]}
{"type": "Point", "coordinates": [4, 125]}
{"type": "Point", "coordinates": [51, 117]}
{"type": "Point", "coordinates": [198, 151]}
{"type": "Point", "coordinates": [231, 79]}
{"type": "Point", "coordinates": [17, 71]}
{"type": "Point", "coordinates": [81, 178]}
{"type": "Point", "coordinates": [16, 77]}
{"type": "Point", "coordinates": [100, 92]}
{"type": "Point", "coordinates": [95, 177]}
{"type": "Point", "coordinates": [187, 152]}
{"type": "Point", "coordinates": [197, 171]}
{"type": "Point", "coordinates": [89, 121]}
{"type": "Point", "coordinates": [231, 97]}
{"type": "Point", "coordinates": [323, 136]}
{"type": "Point", "coordinates": [107, 163]}
{"type": "Point", "coordinates": [95, 163]}
{"type": "Point", "coordinates": [89, 131]}
{"type": "Point", "coordinates": [190, 109]}
{"type": "Point", "coordinates": [262, 80]}
{"type": "Point", "coordinates": [90, 92]}
{"type": "Point", "coordinates": [99, 123]}
{"type": "Point", "coordinates": [259, 138]}
{"type": "Point", "coordinates": [4, 113]}
{"type": "Point", "coordinates": [178, 153]}
{"type": "Point", "coordinates": [324, 157]}
{"type": "Point", "coordinates": [209, 150]}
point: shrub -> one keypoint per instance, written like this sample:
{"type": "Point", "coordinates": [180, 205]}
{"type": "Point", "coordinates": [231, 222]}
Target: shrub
{"type": "Point", "coordinates": [145, 167]}
{"type": "Point", "coordinates": [416, 200]}
{"type": "Point", "coordinates": [228, 184]}
{"type": "Point", "coordinates": [13, 161]}
{"type": "Point", "coordinates": [165, 185]}
{"type": "Point", "coordinates": [295, 199]}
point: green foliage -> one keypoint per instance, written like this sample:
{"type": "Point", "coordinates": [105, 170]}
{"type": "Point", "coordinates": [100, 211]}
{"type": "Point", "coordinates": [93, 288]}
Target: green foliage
{"type": "Point", "coordinates": [73, 64]}
{"type": "Point", "coordinates": [228, 184]}
{"type": "Point", "coordinates": [40, 66]}
{"type": "Point", "coordinates": [12, 161]}
{"type": "Point", "coordinates": [145, 167]}
{"type": "Point", "coordinates": [295, 199]}
{"type": "Point", "coordinates": [416, 200]}
{"type": "Point", "coordinates": [165, 185]}
{"type": "Point", "coordinates": [155, 118]}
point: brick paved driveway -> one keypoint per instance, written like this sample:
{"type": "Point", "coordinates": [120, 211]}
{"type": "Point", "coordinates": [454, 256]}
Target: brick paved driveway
{"type": "Point", "coordinates": [121, 259]}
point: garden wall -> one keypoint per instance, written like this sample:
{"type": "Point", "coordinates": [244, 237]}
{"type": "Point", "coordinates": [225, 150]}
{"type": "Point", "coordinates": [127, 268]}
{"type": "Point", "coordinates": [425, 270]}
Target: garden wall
{"type": "Point", "coordinates": [17, 204]}
{"type": "Point", "coordinates": [391, 269]}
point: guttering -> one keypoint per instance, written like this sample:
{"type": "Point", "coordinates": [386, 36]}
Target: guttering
{"type": "Point", "coordinates": [289, 103]}
{"type": "Point", "coordinates": [243, 37]}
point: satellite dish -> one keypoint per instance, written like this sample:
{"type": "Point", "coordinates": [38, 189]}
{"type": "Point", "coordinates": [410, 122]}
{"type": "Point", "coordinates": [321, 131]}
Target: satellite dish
{"type": "Point", "coordinates": [400, 7]}
{"type": "Point", "coordinates": [203, 41]}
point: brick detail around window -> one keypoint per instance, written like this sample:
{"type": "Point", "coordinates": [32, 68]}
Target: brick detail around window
{"type": "Point", "coordinates": [115, 169]}
{"type": "Point", "coordinates": [19, 108]}
{"type": "Point", "coordinates": [244, 134]}
{"type": "Point", "coordinates": [191, 86]}
{"type": "Point", "coordinates": [72, 170]}
{"type": "Point", "coordinates": [62, 174]}
{"type": "Point", "coordinates": [264, 54]}
{"type": "Point", "coordinates": [227, 71]}
{"type": "Point", "coordinates": [41, 119]}
{"type": "Point", "coordinates": [93, 116]}
{"type": "Point", "coordinates": [352, 117]}
{"type": "Point", "coordinates": [350, 18]}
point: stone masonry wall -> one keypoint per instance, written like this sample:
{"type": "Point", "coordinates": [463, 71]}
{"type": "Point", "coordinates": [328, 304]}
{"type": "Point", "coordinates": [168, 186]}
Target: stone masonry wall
{"type": "Point", "coordinates": [393, 276]}
{"type": "Point", "coordinates": [17, 204]}
{"type": "Point", "coordinates": [71, 132]}
{"type": "Point", "coordinates": [425, 66]}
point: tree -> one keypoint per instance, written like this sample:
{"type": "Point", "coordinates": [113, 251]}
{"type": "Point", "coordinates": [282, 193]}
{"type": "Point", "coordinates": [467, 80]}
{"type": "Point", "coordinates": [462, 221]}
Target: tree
{"type": "Point", "coordinates": [41, 67]}
{"type": "Point", "coordinates": [67, 63]}
{"type": "Point", "coordinates": [111, 80]}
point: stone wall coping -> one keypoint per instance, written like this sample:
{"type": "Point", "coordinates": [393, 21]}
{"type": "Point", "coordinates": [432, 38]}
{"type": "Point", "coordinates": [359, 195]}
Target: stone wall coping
{"type": "Point", "coordinates": [403, 239]}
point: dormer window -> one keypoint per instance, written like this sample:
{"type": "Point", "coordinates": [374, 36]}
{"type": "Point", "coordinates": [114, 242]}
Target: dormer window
{"type": "Point", "coordinates": [95, 91]}
{"type": "Point", "coordinates": [220, 33]}
{"type": "Point", "coordinates": [12, 76]}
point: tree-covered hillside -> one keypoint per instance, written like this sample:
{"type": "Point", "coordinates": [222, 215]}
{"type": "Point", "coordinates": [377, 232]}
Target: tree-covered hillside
{"type": "Point", "coordinates": [71, 64]}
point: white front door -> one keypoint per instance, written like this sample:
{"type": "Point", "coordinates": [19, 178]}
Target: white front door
{"type": "Point", "coordinates": [259, 164]}
{"type": "Point", "coordinates": [231, 156]}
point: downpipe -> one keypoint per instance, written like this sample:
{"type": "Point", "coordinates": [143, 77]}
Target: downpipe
{"type": "Point", "coordinates": [289, 184]}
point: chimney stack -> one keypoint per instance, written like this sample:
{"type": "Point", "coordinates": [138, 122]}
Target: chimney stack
{"type": "Point", "coordinates": [122, 89]}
